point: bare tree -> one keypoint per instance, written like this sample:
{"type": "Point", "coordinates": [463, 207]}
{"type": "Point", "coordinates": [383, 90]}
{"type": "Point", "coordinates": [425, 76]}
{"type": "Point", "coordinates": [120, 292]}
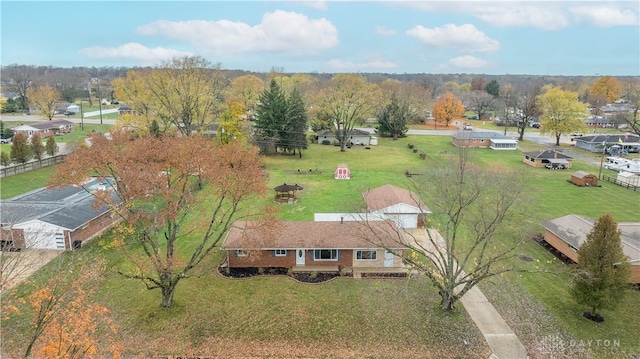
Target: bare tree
{"type": "Point", "coordinates": [527, 101]}
{"type": "Point", "coordinates": [631, 91]}
{"type": "Point", "coordinates": [348, 98]}
{"type": "Point", "coordinates": [476, 226]}
{"type": "Point", "coordinates": [480, 102]}
{"type": "Point", "coordinates": [19, 79]}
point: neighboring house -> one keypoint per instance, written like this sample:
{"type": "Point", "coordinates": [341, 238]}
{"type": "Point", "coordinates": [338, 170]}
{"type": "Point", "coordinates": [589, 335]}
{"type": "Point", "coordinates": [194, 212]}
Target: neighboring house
{"type": "Point", "coordinates": [493, 140]}
{"type": "Point", "coordinates": [551, 159]}
{"type": "Point", "coordinates": [45, 128]}
{"type": "Point", "coordinates": [566, 234]}
{"type": "Point", "coordinates": [594, 142]}
{"type": "Point", "coordinates": [403, 206]}
{"type": "Point", "coordinates": [358, 137]}
{"type": "Point", "coordinates": [59, 219]}
{"type": "Point", "coordinates": [584, 179]}
{"type": "Point", "coordinates": [123, 109]}
{"type": "Point", "coordinates": [613, 109]}
{"type": "Point", "coordinates": [324, 247]}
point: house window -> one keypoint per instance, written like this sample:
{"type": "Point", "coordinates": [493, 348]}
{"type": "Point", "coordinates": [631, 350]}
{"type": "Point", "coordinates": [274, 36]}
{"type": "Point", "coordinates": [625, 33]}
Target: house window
{"type": "Point", "coordinates": [369, 255]}
{"type": "Point", "coordinates": [325, 254]}
{"type": "Point", "coordinates": [241, 253]}
{"type": "Point", "coordinates": [280, 252]}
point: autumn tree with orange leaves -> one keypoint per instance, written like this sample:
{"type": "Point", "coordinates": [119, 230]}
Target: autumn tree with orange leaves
{"type": "Point", "coordinates": [180, 196]}
{"type": "Point", "coordinates": [63, 321]}
{"type": "Point", "coordinates": [447, 108]}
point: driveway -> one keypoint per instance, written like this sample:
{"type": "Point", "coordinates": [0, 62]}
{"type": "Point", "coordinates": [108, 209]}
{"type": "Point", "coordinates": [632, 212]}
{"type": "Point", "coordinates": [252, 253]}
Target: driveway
{"type": "Point", "coordinates": [18, 266]}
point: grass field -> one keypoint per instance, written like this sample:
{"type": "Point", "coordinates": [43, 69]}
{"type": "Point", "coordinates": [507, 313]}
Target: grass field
{"type": "Point", "coordinates": [277, 317]}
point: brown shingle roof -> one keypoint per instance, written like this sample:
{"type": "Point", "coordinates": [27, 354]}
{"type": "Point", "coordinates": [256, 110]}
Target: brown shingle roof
{"type": "Point", "coordinates": [313, 235]}
{"type": "Point", "coordinates": [389, 195]}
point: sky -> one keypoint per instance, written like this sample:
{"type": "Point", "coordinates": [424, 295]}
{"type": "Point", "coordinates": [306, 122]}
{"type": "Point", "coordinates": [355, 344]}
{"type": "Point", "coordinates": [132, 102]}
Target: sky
{"type": "Point", "coordinates": [569, 37]}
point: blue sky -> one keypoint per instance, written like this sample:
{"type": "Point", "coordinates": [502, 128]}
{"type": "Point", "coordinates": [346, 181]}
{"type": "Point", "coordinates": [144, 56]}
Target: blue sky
{"type": "Point", "coordinates": [484, 37]}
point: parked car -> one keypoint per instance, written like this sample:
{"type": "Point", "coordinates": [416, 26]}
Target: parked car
{"type": "Point", "coordinates": [467, 128]}
{"type": "Point", "coordinates": [535, 125]}
{"type": "Point", "coordinates": [5, 140]}
{"type": "Point", "coordinates": [575, 135]}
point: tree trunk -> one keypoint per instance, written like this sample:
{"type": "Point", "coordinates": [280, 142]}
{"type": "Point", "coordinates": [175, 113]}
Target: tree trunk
{"type": "Point", "coordinates": [448, 301]}
{"type": "Point", "coordinates": [557, 140]}
{"type": "Point", "coordinates": [395, 136]}
{"type": "Point", "coordinates": [167, 294]}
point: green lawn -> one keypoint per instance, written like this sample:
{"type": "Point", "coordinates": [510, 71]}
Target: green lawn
{"type": "Point", "coordinates": [278, 317]}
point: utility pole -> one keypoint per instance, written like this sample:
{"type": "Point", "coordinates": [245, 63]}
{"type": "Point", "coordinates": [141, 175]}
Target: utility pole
{"type": "Point", "coordinates": [100, 104]}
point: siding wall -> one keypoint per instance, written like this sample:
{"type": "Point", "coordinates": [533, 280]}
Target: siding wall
{"type": "Point", "coordinates": [563, 247]}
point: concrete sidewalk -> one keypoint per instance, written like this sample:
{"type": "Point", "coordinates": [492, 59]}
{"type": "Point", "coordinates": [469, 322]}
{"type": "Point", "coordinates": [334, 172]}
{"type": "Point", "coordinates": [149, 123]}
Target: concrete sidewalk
{"type": "Point", "coordinates": [502, 340]}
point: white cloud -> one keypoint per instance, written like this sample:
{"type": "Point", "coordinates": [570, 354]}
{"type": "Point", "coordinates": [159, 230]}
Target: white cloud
{"type": "Point", "coordinates": [464, 38]}
{"type": "Point", "coordinates": [320, 5]}
{"type": "Point", "coordinates": [133, 51]}
{"type": "Point", "coordinates": [279, 31]}
{"type": "Point", "coordinates": [545, 15]}
{"type": "Point", "coordinates": [385, 31]}
{"type": "Point", "coordinates": [605, 15]}
{"type": "Point", "coordinates": [468, 62]}
{"type": "Point", "coordinates": [373, 64]}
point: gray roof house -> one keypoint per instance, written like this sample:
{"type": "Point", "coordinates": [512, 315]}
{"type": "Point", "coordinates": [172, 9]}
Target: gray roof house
{"type": "Point", "coordinates": [50, 218]}
{"type": "Point", "coordinates": [594, 142]}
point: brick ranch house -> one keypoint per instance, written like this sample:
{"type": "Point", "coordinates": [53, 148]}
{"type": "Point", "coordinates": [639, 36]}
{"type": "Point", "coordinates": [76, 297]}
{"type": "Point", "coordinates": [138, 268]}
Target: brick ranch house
{"type": "Point", "coordinates": [492, 140]}
{"type": "Point", "coordinates": [355, 242]}
{"type": "Point", "coordinates": [566, 234]}
{"type": "Point", "coordinates": [324, 247]}
{"type": "Point", "coordinates": [547, 158]}
{"type": "Point", "coordinates": [45, 128]}
{"type": "Point", "coordinates": [59, 219]}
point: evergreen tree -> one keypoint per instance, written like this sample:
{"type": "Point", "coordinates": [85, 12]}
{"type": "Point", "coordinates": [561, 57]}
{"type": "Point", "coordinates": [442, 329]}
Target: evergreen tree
{"type": "Point", "coordinates": [5, 132]}
{"type": "Point", "coordinates": [602, 271]}
{"type": "Point", "coordinates": [297, 119]}
{"type": "Point", "coordinates": [51, 146]}
{"type": "Point", "coordinates": [154, 128]}
{"type": "Point", "coordinates": [271, 116]}
{"type": "Point", "coordinates": [493, 88]}
{"type": "Point", "coordinates": [37, 148]}
{"type": "Point", "coordinates": [20, 149]}
{"type": "Point", "coordinates": [392, 119]}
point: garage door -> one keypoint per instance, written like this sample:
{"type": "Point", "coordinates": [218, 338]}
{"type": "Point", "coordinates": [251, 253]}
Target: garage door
{"type": "Point", "coordinates": [39, 240]}
{"type": "Point", "coordinates": [405, 220]}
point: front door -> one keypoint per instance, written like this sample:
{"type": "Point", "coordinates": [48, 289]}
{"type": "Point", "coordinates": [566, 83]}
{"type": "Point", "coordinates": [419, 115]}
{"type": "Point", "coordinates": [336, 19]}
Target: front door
{"type": "Point", "coordinates": [388, 259]}
{"type": "Point", "coordinates": [300, 257]}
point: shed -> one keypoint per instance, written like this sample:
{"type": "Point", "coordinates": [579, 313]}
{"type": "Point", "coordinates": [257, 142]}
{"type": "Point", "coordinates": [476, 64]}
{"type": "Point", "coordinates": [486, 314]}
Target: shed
{"type": "Point", "coordinates": [628, 178]}
{"type": "Point", "coordinates": [584, 179]}
{"type": "Point", "coordinates": [342, 172]}
{"type": "Point", "coordinates": [286, 193]}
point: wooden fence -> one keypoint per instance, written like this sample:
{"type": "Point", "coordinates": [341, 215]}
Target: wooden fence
{"type": "Point", "coordinates": [620, 183]}
{"type": "Point", "coordinates": [30, 166]}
